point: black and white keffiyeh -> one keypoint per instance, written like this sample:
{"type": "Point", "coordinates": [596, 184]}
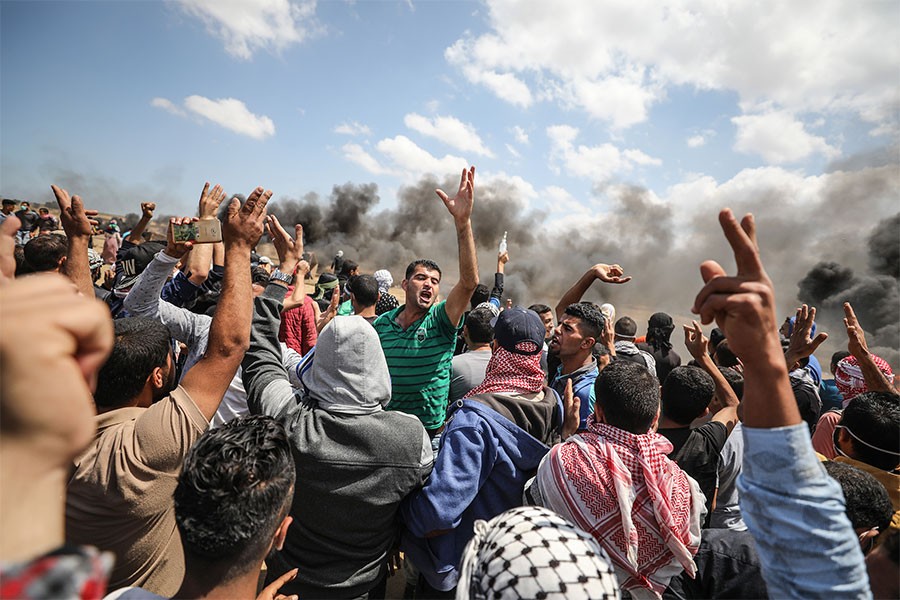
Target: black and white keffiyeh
{"type": "Point", "coordinates": [532, 552]}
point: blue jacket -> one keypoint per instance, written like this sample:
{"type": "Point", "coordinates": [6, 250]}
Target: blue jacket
{"type": "Point", "coordinates": [481, 469]}
{"type": "Point", "coordinates": [582, 388]}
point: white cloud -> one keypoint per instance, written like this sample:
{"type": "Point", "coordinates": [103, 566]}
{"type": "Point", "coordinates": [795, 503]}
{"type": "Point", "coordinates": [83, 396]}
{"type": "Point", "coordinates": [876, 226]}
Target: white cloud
{"type": "Point", "coordinates": [512, 150]}
{"type": "Point", "coordinates": [522, 189]}
{"type": "Point", "coordinates": [449, 130]}
{"type": "Point", "coordinates": [504, 85]}
{"type": "Point", "coordinates": [559, 200]}
{"type": "Point", "coordinates": [231, 114]}
{"type": "Point", "coordinates": [246, 26]}
{"type": "Point", "coordinates": [357, 154]}
{"type": "Point", "coordinates": [520, 134]}
{"type": "Point", "coordinates": [353, 128]}
{"type": "Point", "coordinates": [615, 60]}
{"type": "Point", "coordinates": [778, 138]}
{"type": "Point", "coordinates": [598, 163]}
{"type": "Point", "coordinates": [695, 141]}
{"type": "Point", "coordinates": [167, 106]}
{"type": "Point", "coordinates": [415, 161]}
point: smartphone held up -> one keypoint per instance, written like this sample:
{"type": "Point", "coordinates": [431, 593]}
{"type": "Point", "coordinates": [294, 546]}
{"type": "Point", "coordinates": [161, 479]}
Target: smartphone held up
{"type": "Point", "coordinates": [207, 231]}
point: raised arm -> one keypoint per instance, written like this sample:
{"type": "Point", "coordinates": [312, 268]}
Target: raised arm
{"type": "Point", "coordinates": [876, 381]}
{"type": "Point", "coordinates": [497, 290]}
{"type": "Point", "coordinates": [229, 334]}
{"type": "Point", "coordinates": [460, 208]}
{"type": "Point", "coordinates": [45, 421]}
{"type": "Point", "coordinates": [603, 272]}
{"type": "Point", "coordinates": [697, 344]}
{"type": "Point", "coordinates": [136, 236]}
{"type": "Point", "coordinates": [200, 258]}
{"type": "Point", "coordinates": [263, 371]}
{"type": "Point", "coordinates": [788, 501]}
{"type": "Point", "coordinates": [802, 344]}
{"type": "Point", "coordinates": [77, 224]}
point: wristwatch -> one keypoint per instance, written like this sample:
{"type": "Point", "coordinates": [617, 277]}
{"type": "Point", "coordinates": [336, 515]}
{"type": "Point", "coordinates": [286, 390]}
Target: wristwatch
{"type": "Point", "coordinates": [284, 278]}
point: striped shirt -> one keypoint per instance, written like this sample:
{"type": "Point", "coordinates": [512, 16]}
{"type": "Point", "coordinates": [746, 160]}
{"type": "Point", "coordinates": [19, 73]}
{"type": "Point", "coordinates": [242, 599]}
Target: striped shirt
{"type": "Point", "coordinates": [419, 359]}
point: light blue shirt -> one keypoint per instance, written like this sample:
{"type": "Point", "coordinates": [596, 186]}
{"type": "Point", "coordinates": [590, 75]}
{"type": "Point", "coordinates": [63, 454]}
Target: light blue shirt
{"type": "Point", "coordinates": [796, 514]}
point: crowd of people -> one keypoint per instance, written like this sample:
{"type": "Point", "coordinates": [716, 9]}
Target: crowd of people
{"type": "Point", "coordinates": [195, 421]}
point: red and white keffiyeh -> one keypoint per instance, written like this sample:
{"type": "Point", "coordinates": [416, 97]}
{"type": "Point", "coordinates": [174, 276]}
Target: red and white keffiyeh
{"type": "Point", "coordinates": [623, 489]}
{"type": "Point", "coordinates": [848, 376]}
{"type": "Point", "coordinates": [511, 373]}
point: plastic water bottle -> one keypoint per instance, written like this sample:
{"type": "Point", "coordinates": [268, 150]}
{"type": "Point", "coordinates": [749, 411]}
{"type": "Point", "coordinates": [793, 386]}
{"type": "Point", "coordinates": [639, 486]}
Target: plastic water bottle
{"type": "Point", "coordinates": [502, 248]}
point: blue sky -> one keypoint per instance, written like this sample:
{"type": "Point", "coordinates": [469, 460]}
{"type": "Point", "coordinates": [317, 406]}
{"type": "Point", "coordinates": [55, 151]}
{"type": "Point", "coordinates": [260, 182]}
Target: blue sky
{"type": "Point", "coordinates": [124, 101]}
{"type": "Point", "coordinates": [613, 130]}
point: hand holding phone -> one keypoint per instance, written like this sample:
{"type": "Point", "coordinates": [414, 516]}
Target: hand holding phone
{"type": "Point", "coordinates": [206, 231]}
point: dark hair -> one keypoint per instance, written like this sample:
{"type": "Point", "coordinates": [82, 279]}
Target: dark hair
{"type": "Point", "coordinates": [808, 402]}
{"type": "Point", "coordinates": [22, 266]}
{"type": "Point", "coordinates": [868, 504]}
{"type": "Point", "coordinates": [44, 210]}
{"type": "Point", "coordinates": [233, 492]}
{"type": "Point", "coordinates": [838, 357]}
{"type": "Point", "coordinates": [141, 345]}
{"type": "Point", "coordinates": [874, 418]}
{"type": "Point", "coordinates": [8, 202]}
{"type": "Point", "coordinates": [626, 326]}
{"type": "Point", "coordinates": [422, 262]}
{"type": "Point", "coordinates": [629, 396]}
{"type": "Point", "coordinates": [724, 356]}
{"type": "Point", "coordinates": [735, 380]}
{"type": "Point", "coordinates": [481, 294]}
{"type": "Point", "coordinates": [259, 276]}
{"type": "Point", "coordinates": [686, 393]}
{"type": "Point", "coordinates": [364, 288]}
{"type": "Point", "coordinates": [592, 320]}
{"type": "Point", "coordinates": [347, 267]}
{"type": "Point", "coordinates": [44, 252]}
{"type": "Point", "coordinates": [540, 308]}
{"type": "Point", "coordinates": [478, 324]}
{"type": "Point", "coordinates": [715, 338]}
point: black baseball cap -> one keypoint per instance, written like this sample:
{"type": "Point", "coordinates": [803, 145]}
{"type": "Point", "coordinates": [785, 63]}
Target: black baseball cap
{"type": "Point", "coordinates": [519, 331]}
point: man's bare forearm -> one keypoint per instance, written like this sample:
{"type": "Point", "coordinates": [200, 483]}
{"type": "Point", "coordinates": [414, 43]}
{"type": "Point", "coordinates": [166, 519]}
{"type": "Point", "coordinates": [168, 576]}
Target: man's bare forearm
{"type": "Point", "coordinates": [574, 293]}
{"type": "Point", "coordinates": [876, 381]}
{"type": "Point", "coordinates": [77, 267]}
{"type": "Point", "coordinates": [136, 236]}
{"type": "Point", "coordinates": [229, 334]}
{"type": "Point", "coordinates": [724, 393]}
{"type": "Point", "coordinates": [468, 260]}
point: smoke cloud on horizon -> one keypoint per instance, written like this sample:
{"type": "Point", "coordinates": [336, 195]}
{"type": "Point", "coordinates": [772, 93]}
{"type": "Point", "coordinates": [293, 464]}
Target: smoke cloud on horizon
{"type": "Point", "coordinates": [842, 220]}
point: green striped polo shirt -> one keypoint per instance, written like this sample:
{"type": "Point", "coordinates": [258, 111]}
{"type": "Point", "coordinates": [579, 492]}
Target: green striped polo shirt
{"type": "Point", "coordinates": [419, 359]}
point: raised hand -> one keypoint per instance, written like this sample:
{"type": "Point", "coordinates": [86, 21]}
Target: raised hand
{"type": "Point", "coordinates": [330, 312]}
{"type": "Point", "coordinates": [290, 251]}
{"type": "Point", "coordinates": [503, 257]}
{"type": "Point", "coordinates": [244, 225]}
{"type": "Point", "coordinates": [571, 411]}
{"type": "Point", "coordinates": [460, 206]}
{"type": "Point", "coordinates": [742, 305]}
{"type": "Point", "coordinates": [856, 337]}
{"type": "Point", "coordinates": [147, 209]}
{"type": "Point", "coordinates": [694, 340]}
{"type": "Point", "coordinates": [610, 273]}
{"type": "Point", "coordinates": [173, 248]}
{"type": "Point", "coordinates": [76, 221]}
{"type": "Point", "coordinates": [209, 201]}
{"type": "Point", "coordinates": [801, 342]}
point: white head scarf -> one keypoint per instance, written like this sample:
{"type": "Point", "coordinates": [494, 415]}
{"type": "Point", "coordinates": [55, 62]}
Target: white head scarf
{"type": "Point", "coordinates": [385, 280]}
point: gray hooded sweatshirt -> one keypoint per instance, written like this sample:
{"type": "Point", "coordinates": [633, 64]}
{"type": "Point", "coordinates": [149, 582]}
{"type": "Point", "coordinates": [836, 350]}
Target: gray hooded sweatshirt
{"type": "Point", "coordinates": [355, 461]}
